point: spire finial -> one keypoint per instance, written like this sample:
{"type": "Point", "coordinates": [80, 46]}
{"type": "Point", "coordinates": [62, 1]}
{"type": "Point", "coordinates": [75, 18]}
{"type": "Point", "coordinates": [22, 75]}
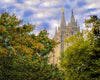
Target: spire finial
{"type": "Point", "coordinates": [72, 11]}
{"type": "Point", "coordinates": [62, 9]}
{"type": "Point", "coordinates": [72, 17]}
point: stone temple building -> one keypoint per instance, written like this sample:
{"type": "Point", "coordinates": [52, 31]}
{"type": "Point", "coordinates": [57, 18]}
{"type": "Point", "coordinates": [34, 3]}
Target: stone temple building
{"type": "Point", "coordinates": [61, 33]}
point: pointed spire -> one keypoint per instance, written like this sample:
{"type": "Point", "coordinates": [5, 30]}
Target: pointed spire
{"type": "Point", "coordinates": [63, 29]}
{"type": "Point", "coordinates": [63, 21]}
{"type": "Point", "coordinates": [72, 11]}
{"type": "Point", "coordinates": [62, 9]}
{"type": "Point", "coordinates": [72, 17]}
{"type": "Point", "coordinates": [56, 30]}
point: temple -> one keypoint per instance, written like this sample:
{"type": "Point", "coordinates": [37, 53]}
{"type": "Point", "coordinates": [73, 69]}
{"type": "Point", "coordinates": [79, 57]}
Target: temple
{"type": "Point", "coordinates": [61, 33]}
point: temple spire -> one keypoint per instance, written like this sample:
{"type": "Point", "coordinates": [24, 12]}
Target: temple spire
{"type": "Point", "coordinates": [72, 17]}
{"type": "Point", "coordinates": [72, 11]}
{"type": "Point", "coordinates": [55, 30]}
{"type": "Point", "coordinates": [62, 9]}
{"type": "Point", "coordinates": [63, 21]}
{"type": "Point", "coordinates": [63, 30]}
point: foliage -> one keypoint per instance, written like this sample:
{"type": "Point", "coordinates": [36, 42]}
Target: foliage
{"type": "Point", "coordinates": [95, 47]}
{"type": "Point", "coordinates": [81, 60]}
{"type": "Point", "coordinates": [24, 56]}
{"type": "Point", "coordinates": [17, 38]}
{"type": "Point", "coordinates": [74, 38]}
{"type": "Point", "coordinates": [28, 69]}
{"type": "Point", "coordinates": [94, 24]}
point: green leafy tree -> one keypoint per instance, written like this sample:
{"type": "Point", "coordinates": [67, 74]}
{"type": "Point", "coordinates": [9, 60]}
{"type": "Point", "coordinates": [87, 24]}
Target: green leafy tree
{"type": "Point", "coordinates": [81, 60]}
{"type": "Point", "coordinates": [24, 56]}
{"type": "Point", "coordinates": [75, 59]}
{"type": "Point", "coordinates": [94, 22]}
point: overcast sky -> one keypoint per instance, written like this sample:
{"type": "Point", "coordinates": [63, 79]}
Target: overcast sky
{"type": "Point", "coordinates": [47, 13]}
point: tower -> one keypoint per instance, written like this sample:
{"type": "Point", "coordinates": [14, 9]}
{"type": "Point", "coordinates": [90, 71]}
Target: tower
{"type": "Point", "coordinates": [63, 30]}
{"type": "Point", "coordinates": [72, 17]}
{"type": "Point", "coordinates": [61, 33]}
{"type": "Point", "coordinates": [73, 27]}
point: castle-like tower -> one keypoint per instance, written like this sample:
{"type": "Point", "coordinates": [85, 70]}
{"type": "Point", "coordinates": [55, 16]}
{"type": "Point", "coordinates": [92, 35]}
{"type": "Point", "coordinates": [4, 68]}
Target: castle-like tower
{"type": "Point", "coordinates": [61, 33]}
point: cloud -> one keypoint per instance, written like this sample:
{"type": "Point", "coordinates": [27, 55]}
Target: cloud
{"type": "Point", "coordinates": [93, 5]}
{"type": "Point", "coordinates": [7, 1]}
{"type": "Point", "coordinates": [31, 2]}
{"type": "Point", "coordinates": [47, 13]}
{"type": "Point", "coordinates": [51, 3]}
{"type": "Point", "coordinates": [53, 25]}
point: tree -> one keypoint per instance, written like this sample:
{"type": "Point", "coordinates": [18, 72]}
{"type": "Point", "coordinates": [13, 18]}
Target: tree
{"type": "Point", "coordinates": [81, 60]}
{"type": "Point", "coordinates": [23, 55]}
{"type": "Point", "coordinates": [94, 22]}
{"type": "Point", "coordinates": [75, 59]}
